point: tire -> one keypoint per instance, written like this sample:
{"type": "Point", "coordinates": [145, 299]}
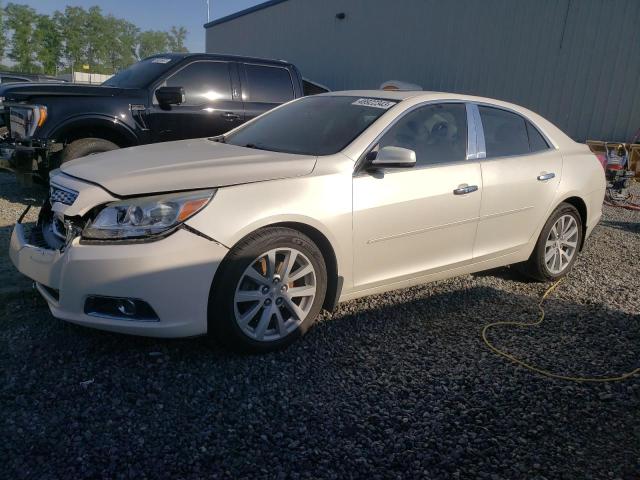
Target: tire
{"type": "Point", "coordinates": [239, 303]}
{"type": "Point", "coordinates": [537, 266]}
{"type": "Point", "coordinates": [85, 146]}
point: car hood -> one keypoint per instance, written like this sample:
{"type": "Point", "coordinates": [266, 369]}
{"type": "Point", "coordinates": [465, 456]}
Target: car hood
{"type": "Point", "coordinates": [184, 165]}
{"type": "Point", "coordinates": [25, 91]}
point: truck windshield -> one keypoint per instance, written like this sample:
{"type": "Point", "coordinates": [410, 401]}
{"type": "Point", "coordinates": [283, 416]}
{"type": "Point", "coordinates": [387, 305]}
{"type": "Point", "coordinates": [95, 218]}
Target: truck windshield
{"type": "Point", "coordinates": [319, 125]}
{"type": "Point", "coordinates": [141, 74]}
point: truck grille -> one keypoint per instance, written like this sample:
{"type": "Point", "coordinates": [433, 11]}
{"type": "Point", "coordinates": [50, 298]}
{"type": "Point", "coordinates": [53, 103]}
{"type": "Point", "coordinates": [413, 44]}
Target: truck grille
{"type": "Point", "coordinates": [62, 195]}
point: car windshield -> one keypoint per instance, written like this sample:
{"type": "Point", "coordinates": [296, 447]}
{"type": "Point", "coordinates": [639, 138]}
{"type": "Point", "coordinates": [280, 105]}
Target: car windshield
{"type": "Point", "coordinates": [319, 125]}
{"type": "Point", "coordinates": [141, 74]}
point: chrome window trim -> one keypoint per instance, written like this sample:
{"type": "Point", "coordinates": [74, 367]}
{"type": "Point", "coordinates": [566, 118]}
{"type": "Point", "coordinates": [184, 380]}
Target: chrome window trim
{"type": "Point", "coordinates": [508, 157]}
{"type": "Point", "coordinates": [472, 135]}
{"type": "Point", "coordinates": [359, 167]}
{"type": "Point", "coordinates": [481, 148]}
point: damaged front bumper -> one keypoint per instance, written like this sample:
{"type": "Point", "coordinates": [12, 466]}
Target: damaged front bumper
{"type": "Point", "coordinates": [173, 275]}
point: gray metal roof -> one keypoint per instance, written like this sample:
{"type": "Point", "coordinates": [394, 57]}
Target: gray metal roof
{"type": "Point", "coordinates": [241, 13]}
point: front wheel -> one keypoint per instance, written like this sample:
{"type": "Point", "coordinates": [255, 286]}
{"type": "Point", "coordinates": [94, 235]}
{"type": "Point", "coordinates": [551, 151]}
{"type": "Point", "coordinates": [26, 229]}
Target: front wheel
{"type": "Point", "coordinates": [85, 146]}
{"type": "Point", "coordinates": [268, 292]}
{"type": "Point", "coordinates": [558, 245]}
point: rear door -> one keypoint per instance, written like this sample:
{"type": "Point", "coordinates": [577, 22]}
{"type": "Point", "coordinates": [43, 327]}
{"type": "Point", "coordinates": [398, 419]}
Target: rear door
{"type": "Point", "coordinates": [265, 87]}
{"type": "Point", "coordinates": [212, 105]}
{"type": "Point", "coordinates": [520, 176]}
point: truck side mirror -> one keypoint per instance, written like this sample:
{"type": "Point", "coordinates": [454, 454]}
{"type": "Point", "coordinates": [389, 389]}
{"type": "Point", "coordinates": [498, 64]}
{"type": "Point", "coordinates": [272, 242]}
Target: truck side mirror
{"type": "Point", "coordinates": [170, 96]}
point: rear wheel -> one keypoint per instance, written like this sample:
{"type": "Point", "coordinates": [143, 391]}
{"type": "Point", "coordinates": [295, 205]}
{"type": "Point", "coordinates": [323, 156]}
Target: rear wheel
{"type": "Point", "coordinates": [85, 146]}
{"type": "Point", "coordinates": [557, 246]}
{"type": "Point", "coordinates": [268, 291]}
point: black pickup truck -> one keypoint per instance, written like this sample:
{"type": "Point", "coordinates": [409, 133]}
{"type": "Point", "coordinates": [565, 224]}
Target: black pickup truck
{"type": "Point", "coordinates": [161, 98]}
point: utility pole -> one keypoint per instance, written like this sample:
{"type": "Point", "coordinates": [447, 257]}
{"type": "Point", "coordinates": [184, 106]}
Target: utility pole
{"type": "Point", "coordinates": [208, 14]}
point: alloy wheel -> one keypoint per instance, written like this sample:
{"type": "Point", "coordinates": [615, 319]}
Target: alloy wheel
{"type": "Point", "coordinates": [275, 294]}
{"type": "Point", "coordinates": [561, 244]}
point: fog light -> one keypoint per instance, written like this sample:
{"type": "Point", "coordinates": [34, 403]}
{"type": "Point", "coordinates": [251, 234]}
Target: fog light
{"type": "Point", "coordinates": [126, 307]}
{"type": "Point", "coordinates": [117, 308]}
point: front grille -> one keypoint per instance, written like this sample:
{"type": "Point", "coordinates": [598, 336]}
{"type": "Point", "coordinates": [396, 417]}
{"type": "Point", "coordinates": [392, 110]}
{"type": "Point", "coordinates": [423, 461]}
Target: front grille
{"type": "Point", "coordinates": [62, 195]}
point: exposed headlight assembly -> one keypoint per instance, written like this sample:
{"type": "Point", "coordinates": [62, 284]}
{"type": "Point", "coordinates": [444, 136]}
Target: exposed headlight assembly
{"type": "Point", "coordinates": [145, 217]}
{"type": "Point", "coordinates": [24, 120]}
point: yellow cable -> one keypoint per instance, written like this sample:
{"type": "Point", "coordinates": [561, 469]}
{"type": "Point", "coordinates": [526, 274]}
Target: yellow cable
{"type": "Point", "coordinates": [533, 368]}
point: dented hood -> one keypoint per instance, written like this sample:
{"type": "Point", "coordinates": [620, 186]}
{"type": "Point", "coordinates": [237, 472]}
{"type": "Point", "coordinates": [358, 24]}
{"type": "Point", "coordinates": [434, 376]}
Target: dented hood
{"type": "Point", "coordinates": [184, 165]}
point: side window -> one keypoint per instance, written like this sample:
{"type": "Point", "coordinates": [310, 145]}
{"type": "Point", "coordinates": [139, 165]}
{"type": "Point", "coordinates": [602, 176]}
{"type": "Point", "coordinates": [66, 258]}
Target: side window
{"type": "Point", "coordinates": [203, 82]}
{"type": "Point", "coordinates": [537, 143]}
{"type": "Point", "coordinates": [505, 133]}
{"type": "Point", "coordinates": [437, 133]}
{"type": "Point", "coordinates": [268, 84]}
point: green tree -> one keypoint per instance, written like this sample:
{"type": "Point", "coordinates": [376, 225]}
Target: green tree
{"type": "Point", "coordinates": [175, 39]}
{"type": "Point", "coordinates": [99, 36]}
{"type": "Point", "coordinates": [77, 36]}
{"type": "Point", "coordinates": [151, 42]}
{"type": "Point", "coordinates": [20, 21]}
{"type": "Point", "coordinates": [48, 44]}
{"type": "Point", "coordinates": [3, 33]}
{"type": "Point", "coordinates": [71, 24]}
{"type": "Point", "coordinates": [121, 47]}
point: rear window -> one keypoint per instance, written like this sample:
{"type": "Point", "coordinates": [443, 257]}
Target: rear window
{"type": "Point", "coordinates": [508, 134]}
{"type": "Point", "coordinates": [505, 133]}
{"type": "Point", "coordinates": [268, 84]}
{"type": "Point", "coordinates": [537, 142]}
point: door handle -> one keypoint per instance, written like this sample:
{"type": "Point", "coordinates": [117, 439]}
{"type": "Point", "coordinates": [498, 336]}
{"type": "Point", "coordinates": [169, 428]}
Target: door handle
{"type": "Point", "coordinates": [546, 176]}
{"type": "Point", "coordinates": [464, 189]}
{"type": "Point", "coordinates": [230, 116]}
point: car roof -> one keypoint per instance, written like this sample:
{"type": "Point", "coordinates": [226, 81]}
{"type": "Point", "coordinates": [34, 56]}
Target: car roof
{"type": "Point", "coordinates": [384, 94]}
{"type": "Point", "coordinates": [219, 56]}
{"type": "Point", "coordinates": [554, 134]}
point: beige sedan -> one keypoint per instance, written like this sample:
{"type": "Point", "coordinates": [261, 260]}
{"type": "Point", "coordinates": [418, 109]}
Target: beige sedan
{"type": "Point", "coordinates": [246, 237]}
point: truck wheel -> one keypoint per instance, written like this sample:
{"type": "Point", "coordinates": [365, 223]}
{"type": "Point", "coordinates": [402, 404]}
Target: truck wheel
{"type": "Point", "coordinates": [85, 146]}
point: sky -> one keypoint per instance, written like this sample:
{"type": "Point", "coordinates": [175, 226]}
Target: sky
{"type": "Point", "coordinates": [155, 14]}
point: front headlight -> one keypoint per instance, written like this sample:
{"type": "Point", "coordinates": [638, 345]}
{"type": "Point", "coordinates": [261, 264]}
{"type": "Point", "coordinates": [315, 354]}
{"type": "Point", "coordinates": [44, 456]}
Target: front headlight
{"type": "Point", "coordinates": [24, 120]}
{"type": "Point", "coordinates": [145, 217]}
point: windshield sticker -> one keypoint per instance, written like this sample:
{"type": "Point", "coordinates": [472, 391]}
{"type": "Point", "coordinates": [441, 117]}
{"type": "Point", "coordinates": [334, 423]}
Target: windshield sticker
{"type": "Point", "coordinates": [374, 102]}
{"type": "Point", "coordinates": [161, 60]}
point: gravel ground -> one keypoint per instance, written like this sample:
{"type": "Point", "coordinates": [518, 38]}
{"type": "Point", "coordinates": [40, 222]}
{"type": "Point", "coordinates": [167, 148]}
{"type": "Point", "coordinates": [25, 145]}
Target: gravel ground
{"type": "Point", "coordinates": [392, 386]}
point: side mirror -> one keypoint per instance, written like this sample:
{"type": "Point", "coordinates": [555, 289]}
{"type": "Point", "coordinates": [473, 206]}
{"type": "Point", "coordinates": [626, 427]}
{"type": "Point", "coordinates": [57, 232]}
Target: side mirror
{"type": "Point", "coordinates": [394, 157]}
{"type": "Point", "coordinates": [170, 96]}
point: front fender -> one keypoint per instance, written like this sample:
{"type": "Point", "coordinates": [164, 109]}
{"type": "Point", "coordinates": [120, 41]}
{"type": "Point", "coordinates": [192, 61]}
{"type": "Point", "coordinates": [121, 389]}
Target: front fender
{"type": "Point", "coordinates": [321, 202]}
{"type": "Point", "coordinates": [89, 121]}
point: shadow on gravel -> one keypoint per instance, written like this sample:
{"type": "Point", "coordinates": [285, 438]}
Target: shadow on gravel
{"type": "Point", "coordinates": [633, 227]}
{"type": "Point", "coordinates": [383, 385]}
{"type": "Point", "coordinates": [505, 273]}
{"type": "Point", "coordinates": [12, 280]}
{"type": "Point", "coordinates": [14, 193]}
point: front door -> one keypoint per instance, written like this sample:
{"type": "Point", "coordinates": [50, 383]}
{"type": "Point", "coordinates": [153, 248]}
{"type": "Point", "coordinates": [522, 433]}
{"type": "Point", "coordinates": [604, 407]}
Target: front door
{"type": "Point", "coordinates": [418, 220]}
{"type": "Point", "coordinates": [210, 107]}
{"type": "Point", "coordinates": [520, 174]}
